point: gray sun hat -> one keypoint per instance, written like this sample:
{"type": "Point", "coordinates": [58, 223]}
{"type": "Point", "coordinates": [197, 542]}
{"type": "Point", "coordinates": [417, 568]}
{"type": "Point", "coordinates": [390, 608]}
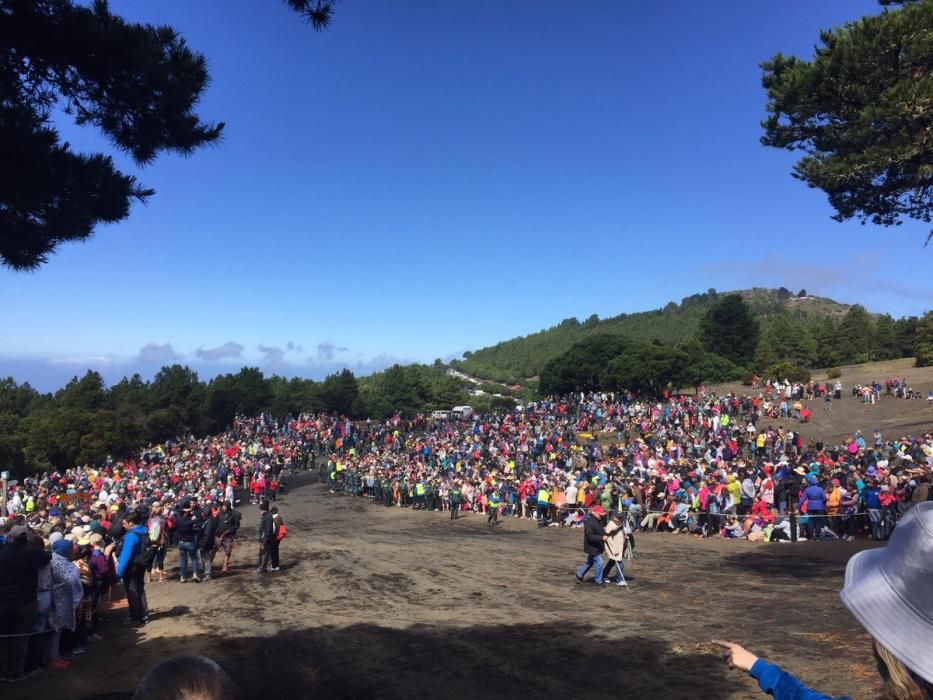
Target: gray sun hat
{"type": "Point", "coordinates": [890, 591]}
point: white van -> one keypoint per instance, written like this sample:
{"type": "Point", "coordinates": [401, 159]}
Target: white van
{"type": "Point", "coordinates": [440, 415]}
{"type": "Point", "coordinates": [462, 412]}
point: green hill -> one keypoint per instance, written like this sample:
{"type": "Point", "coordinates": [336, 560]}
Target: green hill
{"type": "Point", "coordinates": [816, 319]}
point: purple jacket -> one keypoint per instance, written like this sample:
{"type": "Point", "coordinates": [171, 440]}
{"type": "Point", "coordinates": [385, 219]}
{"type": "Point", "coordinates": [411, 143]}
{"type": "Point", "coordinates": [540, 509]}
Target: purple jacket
{"type": "Point", "coordinates": [815, 497]}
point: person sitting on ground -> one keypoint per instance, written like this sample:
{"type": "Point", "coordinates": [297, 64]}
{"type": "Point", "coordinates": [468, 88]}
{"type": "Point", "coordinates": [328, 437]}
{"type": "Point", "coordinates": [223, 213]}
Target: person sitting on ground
{"type": "Point", "coordinates": [678, 519]}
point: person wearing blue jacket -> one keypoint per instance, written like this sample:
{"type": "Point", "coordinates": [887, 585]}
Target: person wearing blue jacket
{"type": "Point", "coordinates": [872, 496]}
{"type": "Point", "coordinates": [815, 498]}
{"type": "Point", "coordinates": [889, 590]}
{"type": "Point", "coordinates": [135, 544]}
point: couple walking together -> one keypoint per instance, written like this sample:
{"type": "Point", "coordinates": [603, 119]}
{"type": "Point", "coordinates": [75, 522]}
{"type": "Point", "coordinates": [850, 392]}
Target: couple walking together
{"type": "Point", "coordinates": [600, 538]}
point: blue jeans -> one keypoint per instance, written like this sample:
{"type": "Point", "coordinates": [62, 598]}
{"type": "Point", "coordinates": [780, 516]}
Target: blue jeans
{"type": "Point", "coordinates": [874, 517]}
{"type": "Point", "coordinates": [614, 566]}
{"type": "Point", "coordinates": [595, 562]}
{"type": "Point", "coordinates": [186, 549]}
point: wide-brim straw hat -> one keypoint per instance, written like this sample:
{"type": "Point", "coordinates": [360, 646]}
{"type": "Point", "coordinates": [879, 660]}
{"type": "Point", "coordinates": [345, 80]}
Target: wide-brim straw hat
{"type": "Point", "coordinates": [890, 591]}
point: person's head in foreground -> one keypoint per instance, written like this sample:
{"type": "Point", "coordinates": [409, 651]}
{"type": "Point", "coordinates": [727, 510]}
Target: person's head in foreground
{"type": "Point", "coordinates": [186, 677]}
{"type": "Point", "coordinates": [890, 592]}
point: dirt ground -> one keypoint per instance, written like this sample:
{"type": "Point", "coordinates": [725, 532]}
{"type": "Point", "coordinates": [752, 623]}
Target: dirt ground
{"type": "Point", "coordinates": [388, 603]}
{"type": "Point", "coordinates": [894, 417]}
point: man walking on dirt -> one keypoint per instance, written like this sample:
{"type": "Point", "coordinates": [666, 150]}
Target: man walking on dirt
{"type": "Point", "coordinates": [493, 507]}
{"type": "Point", "coordinates": [266, 536]}
{"type": "Point", "coordinates": [594, 543]}
{"type": "Point", "coordinates": [227, 525]}
{"type": "Point", "coordinates": [544, 504]}
{"type": "Point", "coordinates": [456, 498]}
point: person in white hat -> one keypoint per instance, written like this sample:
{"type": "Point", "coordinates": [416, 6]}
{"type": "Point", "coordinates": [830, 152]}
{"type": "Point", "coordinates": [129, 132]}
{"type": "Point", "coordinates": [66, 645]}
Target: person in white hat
{"type": "Point", "coordinates": [890, 592]}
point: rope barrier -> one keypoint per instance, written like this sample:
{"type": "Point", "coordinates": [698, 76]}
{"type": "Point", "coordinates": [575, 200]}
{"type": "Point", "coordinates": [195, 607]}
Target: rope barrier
{"type": "Point", "coordinates": [23, 634]}
{"type": "Point", "coordinates": [642, 513]}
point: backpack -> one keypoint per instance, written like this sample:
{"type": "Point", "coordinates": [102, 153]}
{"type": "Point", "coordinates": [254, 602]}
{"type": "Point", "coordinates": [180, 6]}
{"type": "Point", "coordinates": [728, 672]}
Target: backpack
{"type": "Point", "coordinates": [281, 533]}
{"type": "Point", "coordinates": [146, 555]}
{"type": "Point", "coordinates": [155, 530]}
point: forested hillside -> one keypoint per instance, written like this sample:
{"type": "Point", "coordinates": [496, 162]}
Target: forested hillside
{"type": "Point", "coordinates": [85, 422]}
{"type": "Point", "coordinates": [805, 330]}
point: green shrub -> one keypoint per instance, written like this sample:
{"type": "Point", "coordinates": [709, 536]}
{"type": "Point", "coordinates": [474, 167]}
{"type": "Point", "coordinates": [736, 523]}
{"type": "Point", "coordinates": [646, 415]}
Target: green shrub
{"type": "Point", "coordinates": [785, 370]}
{"type": "Point", "coordinates": [834, 373]}
{"type": "Point", "coordinates": [924, 356]}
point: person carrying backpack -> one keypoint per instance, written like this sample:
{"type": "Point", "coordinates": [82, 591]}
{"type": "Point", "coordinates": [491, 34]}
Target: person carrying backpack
{"type": "Point", "coordinates": [132, 565]}
{"type": "Point", "coordinates": [158, 540]}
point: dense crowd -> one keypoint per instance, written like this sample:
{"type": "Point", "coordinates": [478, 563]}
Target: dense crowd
{"type": "Point", "coordinates": [710, 465]}
{"type": "Point", "coordinates": [707, 465]}
{"type": "Point", "coordinates": [69, 535]}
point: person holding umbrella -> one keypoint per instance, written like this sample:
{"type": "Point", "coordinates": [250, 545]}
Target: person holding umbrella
{"type": "Point", "coordinates": [594, 543]}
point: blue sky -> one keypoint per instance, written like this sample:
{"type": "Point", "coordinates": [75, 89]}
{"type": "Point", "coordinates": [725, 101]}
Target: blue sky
{"type": "Point", "coordinates": [427, 178]}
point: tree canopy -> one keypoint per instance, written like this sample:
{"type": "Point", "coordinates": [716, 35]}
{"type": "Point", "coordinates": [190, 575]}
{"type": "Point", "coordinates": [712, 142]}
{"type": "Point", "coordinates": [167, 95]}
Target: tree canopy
{"type": "Point", "coordinates": [924, 342]}
{"type": "Point", "coordinates": [803, 330]}
{"type": "Point", "coordinates": [85, 421]}
{"type": "Point", "coordinates": [729, 329]}
{"type": "Point", "coordinates": [139, 84]}
{"type": "Point", "coordinates": [862, 113]}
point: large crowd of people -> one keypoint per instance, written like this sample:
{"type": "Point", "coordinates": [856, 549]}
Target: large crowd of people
{"type": "Point", "coordinates": [70, 535]}
{"type": "Point", "coordinates": [709, 465]}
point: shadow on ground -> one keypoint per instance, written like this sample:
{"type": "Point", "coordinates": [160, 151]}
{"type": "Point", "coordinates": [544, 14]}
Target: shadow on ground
{"type": "Point", "coordinates": [503, 661]}
{"type": "Point", "coordinates": [812, 561]}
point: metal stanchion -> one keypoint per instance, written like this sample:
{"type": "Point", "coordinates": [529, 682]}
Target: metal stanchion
{"type": "Point", "coordinates": [5, 481]}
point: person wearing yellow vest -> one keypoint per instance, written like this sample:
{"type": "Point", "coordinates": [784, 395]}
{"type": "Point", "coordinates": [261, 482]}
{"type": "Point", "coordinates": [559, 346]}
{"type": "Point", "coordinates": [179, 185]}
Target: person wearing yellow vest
{"type": "Point", "coordinates": [544, 504]}
{"type": "Point", "coordinates": [493, 501]}
{"type": "Point", "coordinates": [456, 498]}
{"type": "Point", "coordinates": [419, 495]}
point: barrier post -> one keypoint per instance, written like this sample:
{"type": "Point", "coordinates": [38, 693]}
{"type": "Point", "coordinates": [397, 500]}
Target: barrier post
{"type": "Point", "coordinates": [4, 483]}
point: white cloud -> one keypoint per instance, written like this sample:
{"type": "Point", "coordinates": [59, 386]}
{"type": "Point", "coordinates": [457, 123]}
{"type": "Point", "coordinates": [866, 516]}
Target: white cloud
{"type": "Point", "coordinates": [228, 349]}
{"type": "Point", "coordinates": [156, 354]}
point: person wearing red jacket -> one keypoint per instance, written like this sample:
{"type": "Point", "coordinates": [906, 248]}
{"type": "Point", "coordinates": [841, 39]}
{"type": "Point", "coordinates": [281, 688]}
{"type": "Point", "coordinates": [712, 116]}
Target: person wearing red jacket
{"type": "Point", "coordinates": [760, 511]}
{"type": "Point", "coordinates": [703, 496]}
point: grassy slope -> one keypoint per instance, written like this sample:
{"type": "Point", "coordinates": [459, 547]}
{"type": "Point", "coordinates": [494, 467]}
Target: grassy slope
{"type": "Point", "coordinates": [524, 356]}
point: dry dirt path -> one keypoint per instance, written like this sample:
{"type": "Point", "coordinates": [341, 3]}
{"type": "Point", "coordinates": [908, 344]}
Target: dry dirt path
{"type": "Point", "coordinates": [385, 603]}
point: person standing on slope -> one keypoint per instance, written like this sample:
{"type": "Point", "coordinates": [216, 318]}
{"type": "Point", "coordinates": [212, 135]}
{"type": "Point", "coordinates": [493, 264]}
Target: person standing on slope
{"type": "Point", "coordinates": [278, 534]}
{"type": "Point", "coordinates": [227, 525]}
{"type": "Point", "coordinates": [456, 498]}
{"type": "Point", "coordinates": [266, 537]}
{"type": "Point", "coordinates": [493, 502]}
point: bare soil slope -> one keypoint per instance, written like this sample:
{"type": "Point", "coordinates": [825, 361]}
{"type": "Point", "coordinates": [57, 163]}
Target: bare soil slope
{"type": "Point", "coordinates": [386, 603]}
{"type": "Point", "coordinates": [894, 417]}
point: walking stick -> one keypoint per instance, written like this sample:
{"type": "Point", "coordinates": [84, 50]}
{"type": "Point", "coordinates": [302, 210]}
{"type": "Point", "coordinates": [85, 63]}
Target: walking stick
{"type": "Point", "coordinates": [618, 565]}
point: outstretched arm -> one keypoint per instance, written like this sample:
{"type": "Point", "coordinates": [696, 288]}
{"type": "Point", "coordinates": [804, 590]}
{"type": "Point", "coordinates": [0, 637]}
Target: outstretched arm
{"type": "Point", "coordinates": [771, 678]}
